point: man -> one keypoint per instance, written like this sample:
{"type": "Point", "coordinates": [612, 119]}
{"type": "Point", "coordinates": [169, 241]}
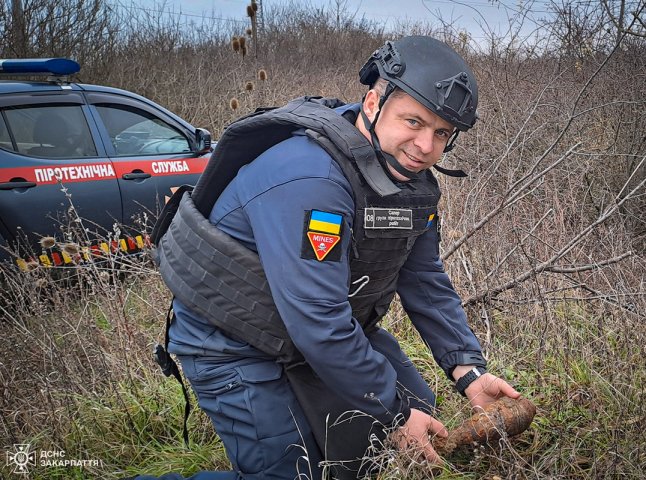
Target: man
{"type": "Point", "coordinates": [278, 294]}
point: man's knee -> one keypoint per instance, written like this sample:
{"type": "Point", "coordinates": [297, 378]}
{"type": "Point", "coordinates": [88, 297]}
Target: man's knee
{"type": "Point", "coordinates": [256, 415]}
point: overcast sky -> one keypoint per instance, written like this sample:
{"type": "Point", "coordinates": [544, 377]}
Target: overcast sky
{"type": "Point", "coordinates": [469, 15]}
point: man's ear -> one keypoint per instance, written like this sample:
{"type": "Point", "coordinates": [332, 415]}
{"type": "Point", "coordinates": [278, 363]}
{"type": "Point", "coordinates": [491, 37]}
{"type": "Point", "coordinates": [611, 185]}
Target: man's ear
{"type": "Point", "coordinates": [371, 104]}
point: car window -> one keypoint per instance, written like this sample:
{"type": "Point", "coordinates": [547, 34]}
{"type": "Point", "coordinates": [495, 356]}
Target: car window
{"type": "Point", "coordinates": [5, 139]}
{"type": "Point", "coordinates": [49, 131]}
{"type": "Point", "coordinates": [136, 132]}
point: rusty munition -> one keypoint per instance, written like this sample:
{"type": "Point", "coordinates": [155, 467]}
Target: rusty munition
{"type": "Point", "coordinates": [505, 416]}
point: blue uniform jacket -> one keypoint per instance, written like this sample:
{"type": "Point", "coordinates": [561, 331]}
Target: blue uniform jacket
{"type": "Point", "coordinates": [263, 208]}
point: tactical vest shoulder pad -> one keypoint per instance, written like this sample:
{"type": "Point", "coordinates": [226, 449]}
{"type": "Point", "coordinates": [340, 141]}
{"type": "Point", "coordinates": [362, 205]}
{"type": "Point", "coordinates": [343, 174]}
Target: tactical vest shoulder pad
{"type": "Point", "coordinates": [269, 127]}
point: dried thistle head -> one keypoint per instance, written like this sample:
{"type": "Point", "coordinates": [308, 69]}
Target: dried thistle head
{"type": "Point", "coordinates": [249, 32]}
{"type": "Point", "coordinates": [47, 242]}
{"type": "Point", "coordinates": [235, 44]}
{"type": "Point", "coordinates": [249, 86]}
{"type": "Point", "coordinates": [250, 11]}
{"type": "Point", "coordinates": [31, 265]}
{"type": "Point", "coordinates": [262, 75]}
{"type": "Point", "coordinates": [254, 6]}
{"type": "Point", "coordinates": [71, 249]}
{"type": "Point", "coordinates": [234, 104]}
{"type": "Point", "coordinates": [243, 42]}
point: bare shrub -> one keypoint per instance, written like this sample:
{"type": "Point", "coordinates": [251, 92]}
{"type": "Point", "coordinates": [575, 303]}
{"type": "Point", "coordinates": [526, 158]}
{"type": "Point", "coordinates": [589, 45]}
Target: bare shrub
{"type": "Point", "coordinates": [83, 29]}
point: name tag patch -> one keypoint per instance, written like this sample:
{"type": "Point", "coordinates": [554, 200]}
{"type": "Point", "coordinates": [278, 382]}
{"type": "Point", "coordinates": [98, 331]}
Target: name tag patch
{"type": "Point", "coordinates": [387, 218]}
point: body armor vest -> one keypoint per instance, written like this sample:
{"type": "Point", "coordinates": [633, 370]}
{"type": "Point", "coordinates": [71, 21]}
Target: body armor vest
{"type": "Point", "coordinates": [218, 278]}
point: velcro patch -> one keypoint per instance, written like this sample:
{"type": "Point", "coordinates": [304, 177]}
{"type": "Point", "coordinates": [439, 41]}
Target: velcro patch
{"type": "Point", "coordinates": [321, 234]}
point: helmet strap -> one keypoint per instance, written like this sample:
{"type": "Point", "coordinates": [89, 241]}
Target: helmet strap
{"type": "Point", "coordinates": [451, 142]}
{"type": "Point", "coordinates": [451, 172]}
{"type": "Point", "coordinates": [447, 149]}
{"type": "Point", "coordinates": [383, 157]}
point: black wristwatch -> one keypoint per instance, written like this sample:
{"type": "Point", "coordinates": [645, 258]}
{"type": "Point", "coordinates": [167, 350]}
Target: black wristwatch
{"type": "Point", "coordinates": [468, 378]}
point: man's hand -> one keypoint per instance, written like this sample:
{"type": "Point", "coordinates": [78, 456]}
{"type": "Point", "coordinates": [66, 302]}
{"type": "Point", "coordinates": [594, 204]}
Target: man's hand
{"type": "Point", "coordinates": [416, 433]}
{"type": "Point", "coordinates": [485, 389]}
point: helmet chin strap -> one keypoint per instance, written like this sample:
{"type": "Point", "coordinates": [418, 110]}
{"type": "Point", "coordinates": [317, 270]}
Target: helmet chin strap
{"type": "Point", "coordinates": [383, 157]}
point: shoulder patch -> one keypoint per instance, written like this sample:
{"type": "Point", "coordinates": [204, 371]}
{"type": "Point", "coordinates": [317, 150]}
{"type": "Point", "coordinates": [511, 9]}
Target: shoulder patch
{"type": "Point", "coordinates": [321, 234]}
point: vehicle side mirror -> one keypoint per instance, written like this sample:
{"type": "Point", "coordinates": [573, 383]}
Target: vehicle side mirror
{"type": "Point", "coordinates": [202, 141]}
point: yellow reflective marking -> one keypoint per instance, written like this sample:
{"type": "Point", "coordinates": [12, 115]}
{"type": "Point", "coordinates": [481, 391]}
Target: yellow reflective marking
{"type": "Point", "coordinates": [44, 259]}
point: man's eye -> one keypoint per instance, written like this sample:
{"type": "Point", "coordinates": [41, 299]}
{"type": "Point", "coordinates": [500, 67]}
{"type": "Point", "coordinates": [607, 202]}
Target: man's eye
{"type": "Point", "coordinates": [442, 133]}
{"type": "Point", "coordinates": [412, 122]}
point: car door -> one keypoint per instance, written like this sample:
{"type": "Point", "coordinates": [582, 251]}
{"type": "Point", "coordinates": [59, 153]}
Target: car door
{"type": "Point", "coordinates": [152, 153]}
{"type": "Point", "coordinates": [55, 179]}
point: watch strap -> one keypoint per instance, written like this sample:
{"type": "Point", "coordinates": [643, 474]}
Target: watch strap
{"type": "Point", "coordinates": [453, 359]}
{"type": "Point", "coordinates": [468, 378]}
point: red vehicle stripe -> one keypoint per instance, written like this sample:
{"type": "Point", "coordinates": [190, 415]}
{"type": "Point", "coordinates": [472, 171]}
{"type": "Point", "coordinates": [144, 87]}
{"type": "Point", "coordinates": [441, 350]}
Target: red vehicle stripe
{"type": "Point", "coordinates": [85, 172]}
{"type": "Point", "coordinates": [163, 167]}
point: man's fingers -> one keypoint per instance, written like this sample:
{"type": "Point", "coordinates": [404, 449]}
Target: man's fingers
{"type": "Point", "coordinates": [508, 390]}
{"type": "Point", "coordinates": [431, 456]}
{"type": "Point", "coordinates": [416, 436]}
{"type": "Point", "coordinates": [436, 427]}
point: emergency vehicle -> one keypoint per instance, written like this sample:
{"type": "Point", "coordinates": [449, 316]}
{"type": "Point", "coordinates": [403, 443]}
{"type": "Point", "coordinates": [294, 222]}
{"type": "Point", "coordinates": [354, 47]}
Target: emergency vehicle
{"type": "Point", "coordinates": [84, 161]}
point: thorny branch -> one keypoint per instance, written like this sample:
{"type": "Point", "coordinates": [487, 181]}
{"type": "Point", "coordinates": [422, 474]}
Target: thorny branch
{"type": "Point", "coordinates": [618, 21]}
{"type": "Point", "coordinates": [522, 240]}
{"type": "Point", "coordinates": [590, 266]}
{"type": "Point", "coordinates": [509, 201]}
{"type": "Point", "coordinates": [611, 298]}
{"type": "Point", "coordinates": [546, 265]}
{"type": "Point", "coordinates": [529, 178]}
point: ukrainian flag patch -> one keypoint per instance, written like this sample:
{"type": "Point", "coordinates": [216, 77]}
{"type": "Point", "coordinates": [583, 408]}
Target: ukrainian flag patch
{"type": "Point", "coordinates": [325, 222]}
{"type": "Point", "coordinates": [431, 217]}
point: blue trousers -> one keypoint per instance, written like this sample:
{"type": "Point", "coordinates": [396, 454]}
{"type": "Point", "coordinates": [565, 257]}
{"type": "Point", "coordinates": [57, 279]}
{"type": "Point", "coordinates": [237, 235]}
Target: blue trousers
{"type": "Point", "coordinates": [259, 420]}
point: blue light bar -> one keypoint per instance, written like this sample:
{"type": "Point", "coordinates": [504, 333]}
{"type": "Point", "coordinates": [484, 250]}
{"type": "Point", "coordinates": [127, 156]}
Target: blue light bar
{"type": "Point", "coordinates": [27, 66]}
